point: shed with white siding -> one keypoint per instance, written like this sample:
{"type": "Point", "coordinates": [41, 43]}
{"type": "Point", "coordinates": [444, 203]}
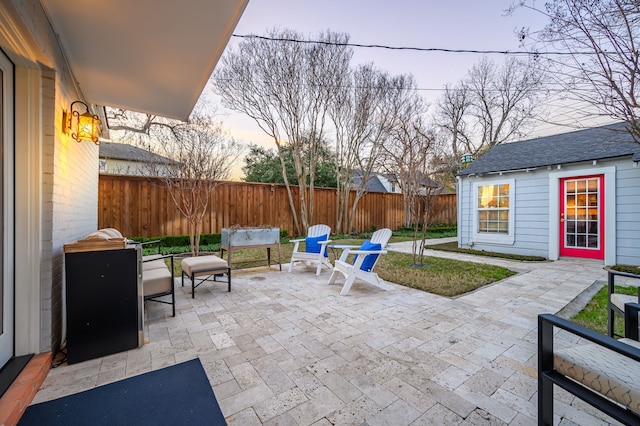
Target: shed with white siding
{"type": "Point", "coordinates": [575, 194]}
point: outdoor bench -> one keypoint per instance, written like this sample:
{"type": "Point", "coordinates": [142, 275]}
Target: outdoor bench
{"type": "Point", "coordinates": [208, 266]}
{"type": "Point", "coordinates": [617, 301]}
{"type": "Point", "coordinates": [600, 370]}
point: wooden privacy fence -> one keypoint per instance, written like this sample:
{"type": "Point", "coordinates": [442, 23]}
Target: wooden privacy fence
{"type": "Point", "coordinates": [142, 207]}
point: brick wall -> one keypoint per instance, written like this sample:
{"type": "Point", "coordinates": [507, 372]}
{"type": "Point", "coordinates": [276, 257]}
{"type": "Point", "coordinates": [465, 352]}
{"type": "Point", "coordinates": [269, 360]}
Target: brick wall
{"type": "Point", "coordinates": [59, 202]}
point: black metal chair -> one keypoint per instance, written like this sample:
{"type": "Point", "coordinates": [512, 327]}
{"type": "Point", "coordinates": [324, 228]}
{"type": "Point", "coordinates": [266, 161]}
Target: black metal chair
{"type": "Point", "coordinates": [590, 370]}
{"type": "Point", "coordinates": [158, 280]}
{"type": "Point", "coordinates": [157, 277]}
{"type": "Point", "coordinates": [617, 301]}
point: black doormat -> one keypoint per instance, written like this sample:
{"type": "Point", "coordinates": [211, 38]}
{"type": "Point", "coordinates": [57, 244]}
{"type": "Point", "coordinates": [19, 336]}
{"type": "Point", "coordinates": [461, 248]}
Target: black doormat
{"type": "Point", "coordinates": [180, 394]}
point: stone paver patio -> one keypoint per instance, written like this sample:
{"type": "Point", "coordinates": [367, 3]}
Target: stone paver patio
{"type": "Point", "coordinates": [286, 349]}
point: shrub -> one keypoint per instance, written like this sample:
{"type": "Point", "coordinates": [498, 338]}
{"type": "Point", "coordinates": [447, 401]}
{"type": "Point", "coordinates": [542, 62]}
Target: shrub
{"type": "Point", "coordinates": [182, 240]}
{"type": "Point", "coordinates": [206, 240]}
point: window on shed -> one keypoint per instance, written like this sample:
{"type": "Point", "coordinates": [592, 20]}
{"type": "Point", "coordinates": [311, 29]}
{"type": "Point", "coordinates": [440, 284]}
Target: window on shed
{"type": "Point", "coordinates": [493, 208]}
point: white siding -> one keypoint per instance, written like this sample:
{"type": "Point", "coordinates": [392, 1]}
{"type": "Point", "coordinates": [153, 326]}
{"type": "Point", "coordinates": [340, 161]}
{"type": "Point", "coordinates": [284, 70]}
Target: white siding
{"type": "Point", "coordinates": [532, 209]}
{"type": "Point", "coordinates": [628, 213]}
{"type": "Point", "coordinates": [531, 214]}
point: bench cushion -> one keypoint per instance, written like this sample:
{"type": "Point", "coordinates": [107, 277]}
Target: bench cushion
{"type": "Point", "coordinates": [203, 264]}
{"type": "Point", "coordinates": [112, 232]}
{"type": "Point", "coordinates": [606, 372]}
{"type": "Point", "coordinates": [618, 300]}
{"type": "Point", "coordinates": [156, 281]}
{"type": "Point", "coordinates": [148, 257]}
{"type": "Point", "coordinates": [154, 264]}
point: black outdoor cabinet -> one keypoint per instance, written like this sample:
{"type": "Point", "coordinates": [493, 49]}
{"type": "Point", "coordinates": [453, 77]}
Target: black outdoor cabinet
{"type": "Point", "coordinates": [104, 302]}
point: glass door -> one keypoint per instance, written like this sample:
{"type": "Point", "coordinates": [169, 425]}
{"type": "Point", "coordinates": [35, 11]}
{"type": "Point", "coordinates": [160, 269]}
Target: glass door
{"type": "Point", "coordinates": [582, 217]}
{"type": "Point", "coordinates": [6, 209]}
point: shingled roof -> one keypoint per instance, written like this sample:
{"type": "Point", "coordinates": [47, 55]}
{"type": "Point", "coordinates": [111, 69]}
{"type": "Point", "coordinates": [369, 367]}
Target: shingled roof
{"type": "Point", "coordinates": [123, 151]}
{"type": "Point", "coordinates": [597, 143]}
{"type": "Point", "coordinates": [373, 183]}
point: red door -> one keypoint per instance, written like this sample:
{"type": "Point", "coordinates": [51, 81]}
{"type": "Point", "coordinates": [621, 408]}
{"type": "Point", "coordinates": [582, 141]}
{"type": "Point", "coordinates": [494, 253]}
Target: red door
{"type": "Point", "coordinates": [582, 217]}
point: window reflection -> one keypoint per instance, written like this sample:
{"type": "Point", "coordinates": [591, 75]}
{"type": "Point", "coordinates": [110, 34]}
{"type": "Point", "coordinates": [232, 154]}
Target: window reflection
{"type": "Point", "coordinates": [493, 208]}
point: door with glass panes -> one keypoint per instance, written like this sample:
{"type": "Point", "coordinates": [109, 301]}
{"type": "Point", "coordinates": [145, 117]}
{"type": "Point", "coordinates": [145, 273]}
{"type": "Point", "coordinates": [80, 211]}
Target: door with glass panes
{"type": "Point", "coordinates": [582, 217]}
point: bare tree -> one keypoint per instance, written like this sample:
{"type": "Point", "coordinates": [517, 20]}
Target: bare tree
{"type": "Point", "coordinates": [409, 157]}
{"type": "Point", "coordinates": [363, 116]}
{"type": "Point", "coordinates": [140, 129]}
{"type": "Point", "coordinates": [134, 122]}
{"type": "Point", "coordinates": [601, 39]}
{"type": "Point", "coordinates": [504, 99]}
{"type": "Point", "coordinates": [200, 154]}
{"type": "Point", "coordinates": [492, 105]}
{"type": "Point", "coordinates": [286, 86]}
{"type": "Point", "coordinates": [453, 114]}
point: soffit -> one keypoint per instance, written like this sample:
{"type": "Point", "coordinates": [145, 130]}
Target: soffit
{"type": "Point", "coordinates": [151, 56]}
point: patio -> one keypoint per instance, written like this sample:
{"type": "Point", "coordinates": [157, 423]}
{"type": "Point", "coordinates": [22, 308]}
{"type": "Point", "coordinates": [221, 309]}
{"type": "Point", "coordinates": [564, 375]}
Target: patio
{"type": "Point", "coordinates": [287, 349]}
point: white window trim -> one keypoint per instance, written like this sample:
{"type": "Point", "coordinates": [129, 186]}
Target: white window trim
{"type": "Point", "coordinates": [503, 239]}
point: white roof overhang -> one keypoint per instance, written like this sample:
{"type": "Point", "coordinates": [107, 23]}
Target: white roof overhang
{"type": "Point", "coordinates": [150, 56]}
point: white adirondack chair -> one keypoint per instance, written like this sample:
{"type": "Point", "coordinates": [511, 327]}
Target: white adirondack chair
{"type": "Point", "coordinates": [309, 258]}
{"type": "Point", "coordinates": [354, 271]}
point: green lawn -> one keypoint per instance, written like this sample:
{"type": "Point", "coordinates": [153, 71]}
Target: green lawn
{"type": "Point", "coordinates": [453, 247]}
{"type": "Point", "coordinates": [444, 277]}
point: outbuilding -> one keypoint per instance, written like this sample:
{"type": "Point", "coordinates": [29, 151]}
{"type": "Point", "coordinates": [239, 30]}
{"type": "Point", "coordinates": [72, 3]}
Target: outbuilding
{"type": "Point", "coordinates": [575, 194]}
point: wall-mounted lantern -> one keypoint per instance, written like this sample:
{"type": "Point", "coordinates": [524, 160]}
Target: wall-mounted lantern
{"type": "Point", "coordinates": [82, 126]}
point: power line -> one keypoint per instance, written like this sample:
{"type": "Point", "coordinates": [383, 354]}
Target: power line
{"type": "Point", "coordinates": [416, 49]}
{"type": "Point", "coordinates": [544, 87]}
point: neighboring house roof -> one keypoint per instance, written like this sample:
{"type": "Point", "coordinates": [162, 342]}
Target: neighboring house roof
{"type": "Point", "coordinates": [123, 151]}
{"type": "Point", "coordinates": [373, 184]}
{"type": "Point", "coordinates": [608, 141]}
{"type": "Point", "coordinates": [426, 182]}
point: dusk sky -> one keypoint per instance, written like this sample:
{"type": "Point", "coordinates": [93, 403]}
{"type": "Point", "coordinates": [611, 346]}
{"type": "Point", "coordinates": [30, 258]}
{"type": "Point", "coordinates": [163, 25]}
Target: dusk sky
{"type": "Point", "coordinates": [453, 24]}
